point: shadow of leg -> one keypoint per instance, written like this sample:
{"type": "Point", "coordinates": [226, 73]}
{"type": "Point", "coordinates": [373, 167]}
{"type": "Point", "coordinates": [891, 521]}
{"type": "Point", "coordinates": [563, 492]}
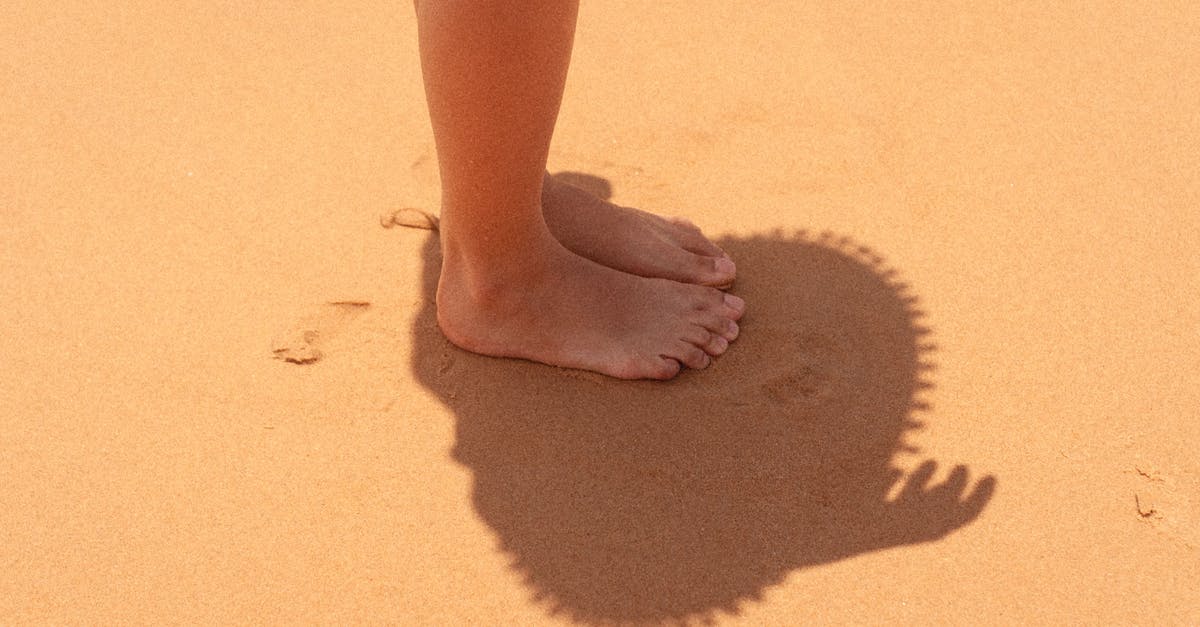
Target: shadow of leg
{"type": "Point", "coordinates": [645, 501]}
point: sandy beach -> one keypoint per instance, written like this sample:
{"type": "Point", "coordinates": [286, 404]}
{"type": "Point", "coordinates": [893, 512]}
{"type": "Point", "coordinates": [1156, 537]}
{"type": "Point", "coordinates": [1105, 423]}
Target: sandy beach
{"type": "Point", "coordinates": [965, 389]}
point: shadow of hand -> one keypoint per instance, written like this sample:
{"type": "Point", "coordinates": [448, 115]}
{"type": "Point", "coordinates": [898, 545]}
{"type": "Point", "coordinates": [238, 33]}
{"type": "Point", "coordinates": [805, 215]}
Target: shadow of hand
{"type": "Point", "coordinates": [650, 501]}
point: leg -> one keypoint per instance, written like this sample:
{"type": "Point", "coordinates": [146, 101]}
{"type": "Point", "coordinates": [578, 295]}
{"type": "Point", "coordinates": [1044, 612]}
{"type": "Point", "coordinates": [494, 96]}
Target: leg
{"type": "Point", "coordinates": [494, 74]}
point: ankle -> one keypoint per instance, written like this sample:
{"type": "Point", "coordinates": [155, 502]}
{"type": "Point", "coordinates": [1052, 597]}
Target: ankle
{"type": "Point", "coordinates": [495, 276]}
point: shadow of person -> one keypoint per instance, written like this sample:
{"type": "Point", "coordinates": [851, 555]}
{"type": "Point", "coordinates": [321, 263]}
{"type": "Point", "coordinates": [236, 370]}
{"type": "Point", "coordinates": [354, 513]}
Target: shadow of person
{"type": "Point", "coordinates": [650, 501]}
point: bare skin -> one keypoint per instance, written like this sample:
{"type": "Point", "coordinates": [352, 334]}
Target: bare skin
{"type": "Point", "coordinates": [494, 73]}
{"type": "Point", "coordinates": [565, 310]}
{"type": "Point", "coordinates": [632, 240]}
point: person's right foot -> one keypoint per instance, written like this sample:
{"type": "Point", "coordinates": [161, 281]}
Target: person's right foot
{"type": "Point", "coordinates": [550, 305]}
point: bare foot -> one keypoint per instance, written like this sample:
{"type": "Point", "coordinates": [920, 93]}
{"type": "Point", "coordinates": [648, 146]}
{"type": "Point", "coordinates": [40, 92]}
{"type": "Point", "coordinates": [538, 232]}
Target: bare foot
{"type": "Point", "coordinates": [547, 304]}
{"type": "Point", "coordinates": [631, 240]}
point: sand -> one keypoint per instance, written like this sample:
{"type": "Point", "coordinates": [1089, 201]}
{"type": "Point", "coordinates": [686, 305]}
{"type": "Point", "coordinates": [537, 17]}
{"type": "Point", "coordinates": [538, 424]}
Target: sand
{"type": "Point", "coordinates": [965, 391]}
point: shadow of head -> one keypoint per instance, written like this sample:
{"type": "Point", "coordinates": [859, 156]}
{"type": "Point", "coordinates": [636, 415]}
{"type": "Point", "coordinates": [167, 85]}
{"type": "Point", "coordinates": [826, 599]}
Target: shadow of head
{"type": "Point", "coordinates": [650, 501]}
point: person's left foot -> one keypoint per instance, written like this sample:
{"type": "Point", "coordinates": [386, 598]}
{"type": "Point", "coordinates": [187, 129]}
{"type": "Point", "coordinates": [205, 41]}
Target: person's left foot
{"type": "Point", "coordinates": [631, 240]}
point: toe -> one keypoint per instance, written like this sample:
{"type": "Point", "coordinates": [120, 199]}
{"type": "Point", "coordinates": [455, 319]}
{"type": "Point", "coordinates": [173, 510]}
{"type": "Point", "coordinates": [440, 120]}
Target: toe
{"type": "Point", "coordinates": [660, 367]}
{"type": "Point", "coordinates": [689, 355]}
{"type": "Point", "coordinates": [716, 345]}
{"type": "Point", "coordinates": [696, 242]}
{"type": "Point", "coordinates": [727, 305]}
{"type": "Point", "coordinates": [734, 305]}
{"type": "Point", "coordinates": [711, 271]}
{"type": "Point", "coordinates": [663, 368]}
{"type": "Point", "coordinates": [702, 246]}
{"type": "Point", "coordinates": [708, 299]}
{"type": "Point", "coordinates": [718, 324]}
{"type": "Point", "coordinates": [692, 239]}
{"type": "Point", "coordinates": [711, 343]}
{"type": "Point", "coordinates": [723, 272]}
{"type": "Point", "coordinates": [696, 334]}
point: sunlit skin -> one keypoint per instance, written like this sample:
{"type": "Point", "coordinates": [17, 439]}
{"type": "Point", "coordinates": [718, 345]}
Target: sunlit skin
{"type": "Point", "coordinates": [534, 268]}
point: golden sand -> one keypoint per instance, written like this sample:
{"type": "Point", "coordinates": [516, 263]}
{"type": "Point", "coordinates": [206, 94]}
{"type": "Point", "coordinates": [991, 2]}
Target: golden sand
{"type": "Point", "coordinates": [967, 236]}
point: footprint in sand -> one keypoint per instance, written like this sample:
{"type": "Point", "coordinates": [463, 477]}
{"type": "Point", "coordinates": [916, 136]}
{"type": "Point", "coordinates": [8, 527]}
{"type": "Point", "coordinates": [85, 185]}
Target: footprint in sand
{"type": "Point", "coordinates": [305, 342]}
{"type": "Point", "coordinates": [816, 371]}
{"type": "Point", "coordinates": [675, 502]}
{"type": "Point", "coordinates": [806, 385]}
{"type": "Point", "coordinates": [1163, 501]}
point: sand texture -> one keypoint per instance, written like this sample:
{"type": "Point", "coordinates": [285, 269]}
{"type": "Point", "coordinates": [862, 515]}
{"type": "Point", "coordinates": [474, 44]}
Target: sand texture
{"type": "Point", "coordinates": [965, 390]}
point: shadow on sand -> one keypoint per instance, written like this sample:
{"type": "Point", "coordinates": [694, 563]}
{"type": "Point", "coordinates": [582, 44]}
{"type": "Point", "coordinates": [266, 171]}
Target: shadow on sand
{"type": "Point", "coordinates": [650, 501]}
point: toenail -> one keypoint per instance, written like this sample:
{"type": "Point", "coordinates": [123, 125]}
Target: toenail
{"type": "Point", "coordinates": [735, 302]}
{"type": "Point", "coordinates": [725, 266]}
